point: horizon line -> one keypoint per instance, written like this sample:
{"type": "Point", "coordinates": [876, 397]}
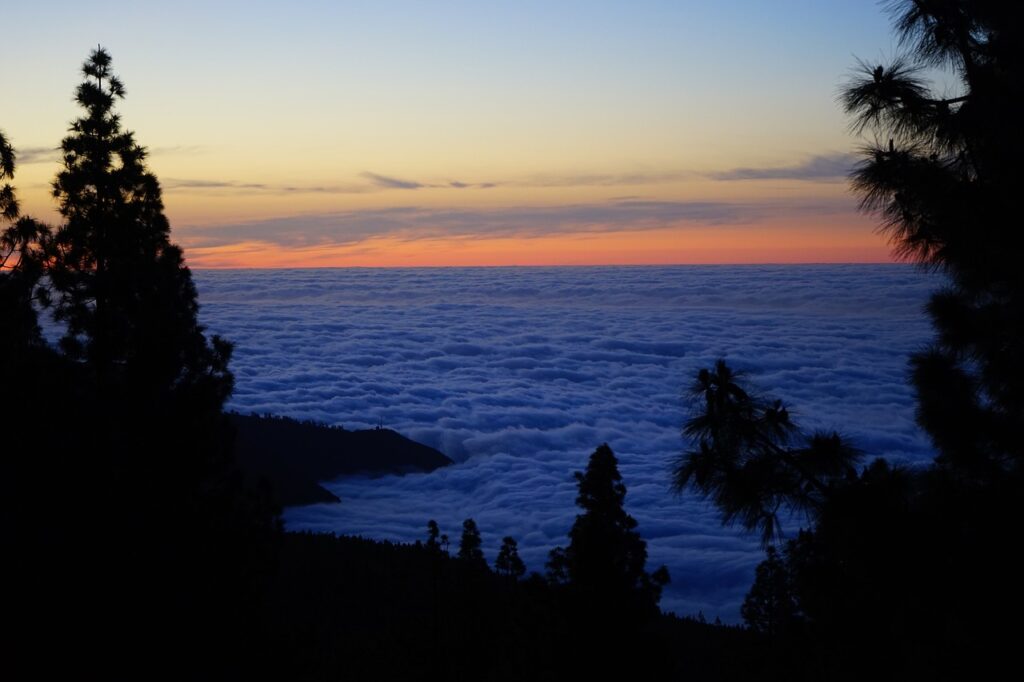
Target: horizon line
{"type": "Point", "coordinates": [551, 265]}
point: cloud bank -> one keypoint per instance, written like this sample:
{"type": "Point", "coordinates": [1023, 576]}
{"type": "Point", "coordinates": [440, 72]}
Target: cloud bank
{"type": "Point", "coordinates": [519, 373]}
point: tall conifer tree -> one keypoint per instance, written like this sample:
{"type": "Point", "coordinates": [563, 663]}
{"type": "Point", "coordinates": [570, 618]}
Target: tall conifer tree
{"type": "Point", "coordinates": [606, 556]}
{"type": "Point", "coordinates": [944, 174]}
{"type": "Point", "coordinates": [470, 545]}
{"type": "Point", "coordinates": [179, 540]}
{"type": "Point", "coordinates": [133, 446]}
{"type": "Point", "coordinates": [508, 562]}
{"type": "Point", "coordinates": [120, 285]}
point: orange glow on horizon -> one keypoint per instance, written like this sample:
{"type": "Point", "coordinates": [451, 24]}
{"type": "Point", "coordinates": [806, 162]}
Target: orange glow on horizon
{"type": "Point", "coordinates": [668, 246]}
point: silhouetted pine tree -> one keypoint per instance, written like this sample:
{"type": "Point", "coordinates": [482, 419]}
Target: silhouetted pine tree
{"type": "Point", "coordinates": [606, 557]}
{"type": "Point", "coordinates": [908, 573]}
{"type": "Point", "coordinates": [433, 532]}
{"type": "Point", "coordinates": [470, 545]}
{"type": "Point", "coordinates": [508, 562]}
{"type": "Point", "coordinates": [119, 283]}
{"type": "Point", "coordinates": [121, 287]}
{"type": "Point", "coordinates": [752, 460]}
{"type": "Point", "coordinates": [770, 605]}
{"type": "Point", "coordinates": [138, 449]}
{"type": "Point", "coordinates": [863, 569]}
{"type": "Point", "coordinates": [944, 175]}
{"type": "Point", "coordinates": [609, 599]}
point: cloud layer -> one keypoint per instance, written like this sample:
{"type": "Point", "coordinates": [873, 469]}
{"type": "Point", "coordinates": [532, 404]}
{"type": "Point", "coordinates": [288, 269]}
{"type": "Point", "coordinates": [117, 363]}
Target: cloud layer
{"type": "Point", "coordinates": [519, 373]}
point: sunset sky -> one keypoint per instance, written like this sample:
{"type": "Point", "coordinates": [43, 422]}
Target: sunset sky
{"type": "Point", "coordinates": [457, 133]}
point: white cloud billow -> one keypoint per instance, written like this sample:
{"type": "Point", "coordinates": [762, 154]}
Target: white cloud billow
{"type": "Point", "coordinates": [519, 373]}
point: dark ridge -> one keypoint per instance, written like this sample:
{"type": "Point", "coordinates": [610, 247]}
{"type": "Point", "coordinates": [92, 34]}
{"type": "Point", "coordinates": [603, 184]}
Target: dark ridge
{"type": "Point", "coordinates": [359, 609]}
{"type": "Point", "coordinates": [295, 456]}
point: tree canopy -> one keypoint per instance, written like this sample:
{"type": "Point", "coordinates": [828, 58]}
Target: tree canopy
{"type": "Point", "coordinates": [21, 268]}
{"type": "Point", "coordinates": [433, 533]}
{"type": "Point", "coordinates": [770, 606]}
{"type": "Point", "coordinates": [906, 571]}
{"type": "Point", "coordinates": [606, 557]}
{"type": "Point", "coordinates": [120, 428]}
{"type": "Point", "coordinates": [943, 173]}
{"type": "Point", "coordinates": [752, 460]}
{"type": "Point", "coordinates": [119, 284]}
{"type": "Point", "coordinates": [470, 545]}
{"type": "Point", "coordinates": [508, 562]}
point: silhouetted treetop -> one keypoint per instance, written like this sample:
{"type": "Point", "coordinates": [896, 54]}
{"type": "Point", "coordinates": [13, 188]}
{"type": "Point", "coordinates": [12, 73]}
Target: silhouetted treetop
{"type": "Point", "coordinates": [751, 459]}
{"type": "Point", "coordinates": [606, 556]}
{"type": "Point", "coordinates": [433, 534]}
{"type": "Point", "coordinates": [508, 562]}
{"type": "Point", "coordinates": [470, 545]}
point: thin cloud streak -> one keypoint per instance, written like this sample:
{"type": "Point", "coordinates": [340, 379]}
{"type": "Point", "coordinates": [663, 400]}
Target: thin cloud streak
{"type": "Point", "coordinates": [189, 149]}
{"type": "Point", "coordinates": [833, 167]}
{"type": "Point", "coordinates": [31, 155]}
{"type": "Point", "coordinates": [603, 179]}
{"type": "Point", "coordinates": [821, 168]}
{"type": "Point", "coordinates": [391, 183]}
{"type": "Point", "coordinates": [413, 223]}
{"type": "Point", "coordinates": [377, 183]}
{"type": "Point", "coordinates": [27, 155]}
{"type": "Point", "coordinates": [189, 183]}
{"type": "Point", "coordinates": [229, 186]}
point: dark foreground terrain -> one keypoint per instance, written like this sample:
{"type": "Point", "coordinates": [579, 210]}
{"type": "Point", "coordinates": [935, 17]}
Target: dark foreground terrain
{"type": "Point", "coordinates": [351, 608]}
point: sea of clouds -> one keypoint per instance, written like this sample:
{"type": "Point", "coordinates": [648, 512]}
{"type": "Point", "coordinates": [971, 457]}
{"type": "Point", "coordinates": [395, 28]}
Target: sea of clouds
{"type": "Point", "coordinates": [519, 373]}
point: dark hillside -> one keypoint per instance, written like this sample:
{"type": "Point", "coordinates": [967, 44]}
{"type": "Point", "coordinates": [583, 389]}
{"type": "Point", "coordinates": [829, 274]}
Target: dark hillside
{"type": "Point", "coordinates": [357, 609]}
{"type": "Point", "coordinates": [295, 456]}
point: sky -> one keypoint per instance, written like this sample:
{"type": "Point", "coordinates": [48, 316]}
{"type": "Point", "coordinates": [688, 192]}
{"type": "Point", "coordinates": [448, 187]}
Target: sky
{"type": "Point", "coordinates": [310, 134]}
